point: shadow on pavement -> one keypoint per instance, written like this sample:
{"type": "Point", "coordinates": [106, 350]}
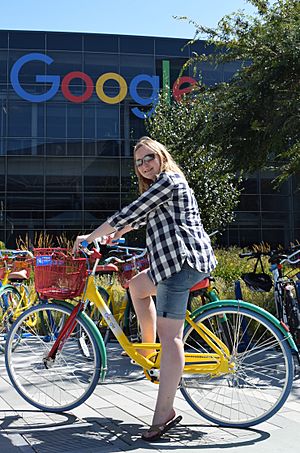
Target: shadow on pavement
{"type": "Point", "coordinates": [112, 435]}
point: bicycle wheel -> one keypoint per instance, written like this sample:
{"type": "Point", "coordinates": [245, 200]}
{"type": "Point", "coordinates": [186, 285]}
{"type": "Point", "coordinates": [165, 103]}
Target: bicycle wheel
{"type": "Point", "coordinates": [131, 324]}
{"type": "Point", "coordinates": [97, 318]}
{"type": "Point", "coordinates": [9, 300]}
{"type": "Point", "coordinates": [54, 385]}
{"type": "Point", "coordinates": [263, 369]}
{"type": "Point", "coordinates": [293, 316]}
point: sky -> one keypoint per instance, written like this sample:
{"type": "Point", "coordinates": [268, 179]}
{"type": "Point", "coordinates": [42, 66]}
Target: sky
{"type": "Point", "coordinates": [126, 17]}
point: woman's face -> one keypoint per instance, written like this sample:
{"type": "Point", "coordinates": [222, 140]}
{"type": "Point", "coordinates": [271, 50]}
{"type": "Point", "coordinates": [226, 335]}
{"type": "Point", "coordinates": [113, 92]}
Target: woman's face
{"type": "Point", "coordinates": [147, 162]}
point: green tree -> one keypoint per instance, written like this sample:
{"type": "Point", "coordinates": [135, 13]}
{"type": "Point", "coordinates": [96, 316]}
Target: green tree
{"type": "Point", "coordinates": [254, 120]}
{"type": "Point", "coordinates": [216, 188]}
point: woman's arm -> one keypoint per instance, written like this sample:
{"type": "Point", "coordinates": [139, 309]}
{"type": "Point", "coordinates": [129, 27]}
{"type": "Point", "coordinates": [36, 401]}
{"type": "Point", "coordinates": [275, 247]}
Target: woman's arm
{"type": "Point", "coordinates": [120, 233]}
{"type": "Point", "coordinates": [160, 192]}
{"type": "Point", "coordinates": [105, 229]}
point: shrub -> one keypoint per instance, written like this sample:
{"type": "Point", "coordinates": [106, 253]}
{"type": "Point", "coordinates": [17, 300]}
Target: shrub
{"type": "Point", "coordinates": [230, 268]}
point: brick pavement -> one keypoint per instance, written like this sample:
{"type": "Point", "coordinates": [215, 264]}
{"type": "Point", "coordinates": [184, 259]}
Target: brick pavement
{"type": "Point", "coordinates": [114, 416]}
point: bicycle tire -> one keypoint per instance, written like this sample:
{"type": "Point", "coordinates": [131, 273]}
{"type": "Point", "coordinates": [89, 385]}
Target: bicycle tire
{"type": "Point", "coordinates": [293, 316]}
{"type": "Point", "coordinates": [103, 329]}
{"type": "Point", "coordinates": [59, 385]}
{"type": "Point", "coordinates": [131, 325]}
{"type": "Point", "coordinates": [9, 300]}
{"type": "Point", "coordinates": [263, 365]}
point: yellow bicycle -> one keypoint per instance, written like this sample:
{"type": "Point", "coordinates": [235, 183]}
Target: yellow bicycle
{"type": "Point", "coordinates": [16, 295]}
{"type": "Point", "coordinates": [238, 358]}
{"type": "Point", "coordinates": [118, 270]}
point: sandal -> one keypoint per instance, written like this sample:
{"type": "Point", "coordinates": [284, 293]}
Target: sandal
{"type": "Point", "coordinates": [159, 430]}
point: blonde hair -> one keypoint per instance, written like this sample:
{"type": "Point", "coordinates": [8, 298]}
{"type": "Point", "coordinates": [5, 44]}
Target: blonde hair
{"type": "Point", "coordinates": [167, 163]}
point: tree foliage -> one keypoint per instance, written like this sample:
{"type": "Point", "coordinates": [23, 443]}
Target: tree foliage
{"type": "Point", "coordinates": [216, 189]}
{"type": "Point", "coordinates": [254, 120]}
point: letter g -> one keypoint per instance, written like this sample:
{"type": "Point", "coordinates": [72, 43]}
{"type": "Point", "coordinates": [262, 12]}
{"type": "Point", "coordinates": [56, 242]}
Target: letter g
{"type": "Point", "coordinates": [14, 78]}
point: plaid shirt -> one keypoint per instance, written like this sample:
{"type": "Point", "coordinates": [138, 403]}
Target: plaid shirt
{"type": "Point", "coordinates": [174, 229]}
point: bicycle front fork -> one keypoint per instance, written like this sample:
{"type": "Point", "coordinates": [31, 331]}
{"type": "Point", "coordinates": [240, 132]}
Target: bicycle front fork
{"type": "Point", "coordinates": [64, 334]}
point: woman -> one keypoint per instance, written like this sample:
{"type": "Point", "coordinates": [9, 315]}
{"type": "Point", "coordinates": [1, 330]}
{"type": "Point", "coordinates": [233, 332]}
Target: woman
{"type": "Point", "coordinates": [180, 255]}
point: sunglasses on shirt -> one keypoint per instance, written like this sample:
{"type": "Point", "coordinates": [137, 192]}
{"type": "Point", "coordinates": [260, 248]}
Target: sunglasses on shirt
{"type": "Point", "coordinates": [147, 158]}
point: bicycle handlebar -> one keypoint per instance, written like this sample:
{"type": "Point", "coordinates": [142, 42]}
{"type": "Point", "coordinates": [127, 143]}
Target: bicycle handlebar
{"type": "Point", "coordinates": [253, 254]}
{"type": "Point", "coordinates": [290, 260]}
{"type": "Point", "coordinates": [127, 251]}
{"type": "Point", "coordinates": [96, 251]}
{"type": "Point", "coordinates": [15, 253]}
{"type": "Point", "coordinates": [284, 256]}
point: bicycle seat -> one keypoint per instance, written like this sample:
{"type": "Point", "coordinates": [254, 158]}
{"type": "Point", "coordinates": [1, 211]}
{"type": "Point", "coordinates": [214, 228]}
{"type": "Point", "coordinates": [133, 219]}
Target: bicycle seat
{"type": "Point", "coordinates": [200, 285]}
{"type": "Point", "coordinates": [106, 269]}
{"type": "Point", "coordinates": [19, 275]}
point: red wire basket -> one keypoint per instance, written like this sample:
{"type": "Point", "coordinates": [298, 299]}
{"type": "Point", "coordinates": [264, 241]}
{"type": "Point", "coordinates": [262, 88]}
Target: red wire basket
{"type": "Point", "coordinates": [57, 274]}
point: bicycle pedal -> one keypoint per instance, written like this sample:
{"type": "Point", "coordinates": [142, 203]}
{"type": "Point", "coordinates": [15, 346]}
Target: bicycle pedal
{"type": "Point", "coordinates": [154, 374]}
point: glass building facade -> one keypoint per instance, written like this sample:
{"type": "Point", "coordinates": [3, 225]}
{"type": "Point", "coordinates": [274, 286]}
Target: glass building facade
{"type": "Point", "coordinates": [71, 107]}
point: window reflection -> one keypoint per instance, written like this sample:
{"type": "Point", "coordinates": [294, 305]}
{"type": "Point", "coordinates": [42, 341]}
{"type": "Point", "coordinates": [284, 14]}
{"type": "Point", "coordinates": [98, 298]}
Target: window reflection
{"type": "Point", "coordinates": [101, 175]}
{"type": "Point", "coordinates": [63, 175]}
{"type": "Point", "coordinates": [29, 40]}
{"type": "Point", "coordinates": [3, 66]}
{"type": "Point", "coordinates": [97, 64]}
{"type": "Point", "coordinates": [131, 66]}
{"type": "Point", "coordinates": [25, 174]}
{"type": "Point", "coordinates": [66, 166]}
{"type": "Point", "coordinates": [107, 121]}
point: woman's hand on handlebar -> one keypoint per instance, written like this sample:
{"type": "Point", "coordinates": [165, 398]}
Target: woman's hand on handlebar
{"type": "Point", "coordinates": [84, 238]}
{"type": "Point", "coordinates": [78, 241]}
{"type": "Point", "coordinates": [102, 234]}
{"type": "Point", "coordinates": [113, 238]}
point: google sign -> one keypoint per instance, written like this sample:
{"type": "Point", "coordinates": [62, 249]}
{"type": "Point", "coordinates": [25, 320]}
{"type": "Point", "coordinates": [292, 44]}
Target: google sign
{"type": "Point", "coordinates": [181, 86]}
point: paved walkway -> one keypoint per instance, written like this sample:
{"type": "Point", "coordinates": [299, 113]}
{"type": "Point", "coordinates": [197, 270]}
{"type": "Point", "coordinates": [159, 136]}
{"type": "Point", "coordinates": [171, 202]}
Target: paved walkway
{"type": "Point", "coordinates": [113, 417]}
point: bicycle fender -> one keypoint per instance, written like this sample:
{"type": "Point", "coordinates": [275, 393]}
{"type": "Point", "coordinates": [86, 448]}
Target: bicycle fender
{"type": "Point", "coordinates": [95, 332]}
{"type": "Point", "coordinates": [251, 307]}
{"type": "Point", "coordinates": [8, 286]}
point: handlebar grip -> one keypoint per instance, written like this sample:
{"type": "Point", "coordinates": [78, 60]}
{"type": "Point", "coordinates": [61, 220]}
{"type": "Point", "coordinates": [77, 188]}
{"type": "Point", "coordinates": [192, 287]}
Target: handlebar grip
{"type": "Point", "coordinates": [119, 241]}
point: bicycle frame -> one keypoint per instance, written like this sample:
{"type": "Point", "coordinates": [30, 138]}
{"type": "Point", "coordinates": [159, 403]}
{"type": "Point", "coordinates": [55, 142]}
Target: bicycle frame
{"type": "Point", "coordinates": [221, 374]}
{"type": "Point", "coordinates": [281, 283]}
{"type": "Point", "coordinates": [215, 363]}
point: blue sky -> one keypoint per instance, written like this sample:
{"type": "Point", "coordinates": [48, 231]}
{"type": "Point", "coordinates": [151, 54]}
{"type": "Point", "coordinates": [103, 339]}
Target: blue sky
{"type": "Point", "coordinates": [131, 17]}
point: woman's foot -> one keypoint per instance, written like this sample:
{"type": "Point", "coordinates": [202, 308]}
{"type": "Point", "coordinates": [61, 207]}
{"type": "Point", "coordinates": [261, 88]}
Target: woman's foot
{"type": "Point", "coordinates": [156, 431]}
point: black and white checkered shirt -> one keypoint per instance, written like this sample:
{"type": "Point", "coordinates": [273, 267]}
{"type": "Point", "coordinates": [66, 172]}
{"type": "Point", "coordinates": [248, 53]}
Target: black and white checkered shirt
{"type": "Point", "coordinates": [174, 229]}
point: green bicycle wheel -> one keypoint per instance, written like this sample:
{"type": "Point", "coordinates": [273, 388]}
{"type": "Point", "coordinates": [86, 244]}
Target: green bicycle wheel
{"type": "Point", "coordinates": [55, 384]}
{"type": "Point", "coordinates": [9, 300]}
{"type": "Point", "coordinates": [262, 374]}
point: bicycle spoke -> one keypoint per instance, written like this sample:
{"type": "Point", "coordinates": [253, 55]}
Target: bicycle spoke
{"type": "Point", "coordinates": [261, 375]}
{"type": "Point", "coordinates": [58, 383]}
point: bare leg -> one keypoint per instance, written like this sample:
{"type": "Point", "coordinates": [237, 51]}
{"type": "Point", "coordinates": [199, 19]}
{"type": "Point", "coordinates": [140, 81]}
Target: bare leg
{"type": "Point", "coordinates": [172, 363]}
{"type": "Point", "coordinates": [141, 289]}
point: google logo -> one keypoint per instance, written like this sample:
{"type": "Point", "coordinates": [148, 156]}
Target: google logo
{"type": "Point", "coordinates": [181, 86]}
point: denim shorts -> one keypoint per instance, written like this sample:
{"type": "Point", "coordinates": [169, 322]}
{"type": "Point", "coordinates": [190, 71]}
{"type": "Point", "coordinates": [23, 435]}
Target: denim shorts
{"type": "Point", "coordinates": [173, 293]}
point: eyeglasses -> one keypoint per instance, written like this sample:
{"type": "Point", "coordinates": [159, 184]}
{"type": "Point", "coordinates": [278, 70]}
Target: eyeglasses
{"type": "Point", "coordinates": [147, 158]}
